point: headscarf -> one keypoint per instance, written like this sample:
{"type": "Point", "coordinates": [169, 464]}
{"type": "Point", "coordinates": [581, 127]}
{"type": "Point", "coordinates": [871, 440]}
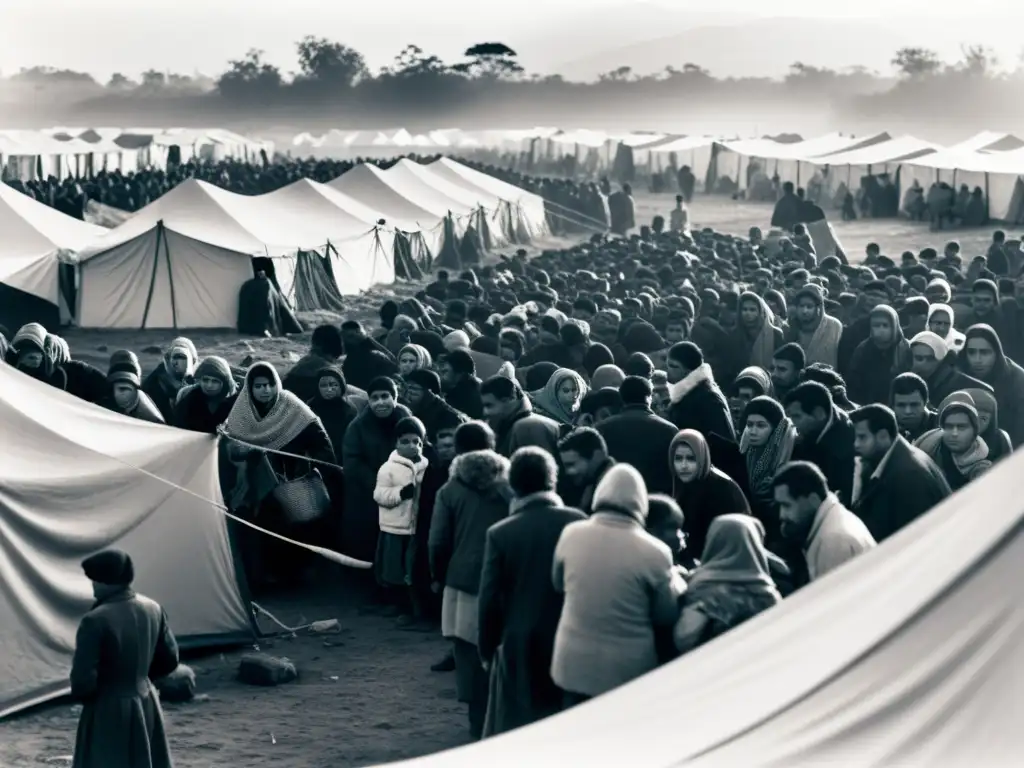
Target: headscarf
{"type": "Point", "coordinates": [546, 400]}
{"type": "Point", "coordinates": [734, 554]}
{"type": "Point", "coordinates": [759, 376]}
{"type": "Point", "coordinates": [953, 338]}
{"type": "Point", "coordinates": [696, 443]}
{"type": "Point", "coordinates": [896, 347]}
{"type": "Point", "coordinates": [423, 358]}
{"type": "Point", "coordinates": [287, 417]}
{"type": "Point", "coordinates": [762, 462]}
{"type": "Point", "coordinates": [763, 347]}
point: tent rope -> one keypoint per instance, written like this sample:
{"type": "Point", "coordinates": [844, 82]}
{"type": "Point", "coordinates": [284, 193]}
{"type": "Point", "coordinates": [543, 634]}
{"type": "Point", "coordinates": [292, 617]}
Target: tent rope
{"type": "Point", "coordinates": [331, 555]}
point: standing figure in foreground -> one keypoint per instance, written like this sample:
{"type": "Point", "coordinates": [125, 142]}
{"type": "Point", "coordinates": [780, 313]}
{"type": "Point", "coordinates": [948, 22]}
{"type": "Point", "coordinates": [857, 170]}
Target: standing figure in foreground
{"type": "Point", "coordinates": [123, 643]}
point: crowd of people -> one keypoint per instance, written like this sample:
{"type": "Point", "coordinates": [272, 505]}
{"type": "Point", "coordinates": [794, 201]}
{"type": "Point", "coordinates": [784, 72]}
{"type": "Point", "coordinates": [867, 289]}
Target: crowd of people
{"type": "Point", "coordinates": [581, 466]}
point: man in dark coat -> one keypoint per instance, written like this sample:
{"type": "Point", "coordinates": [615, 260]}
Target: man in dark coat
{"type": "Point", "coordinates": [518, 605]}
{"type": "Point", "coordinates": [824, 435]}
{"type": "Point", "coordinates": [895, 483]}
{"type": "Point", "coordinates": [639, 437]}
{"type": "Point", "coordinates": [787, 213]}
{"type": "Point", "coordinates": [365, 359]}
{"type": "Point", "coordinates": [696, 400]}
{"type": "Point", "coordinates": [460, 384]}
{"type": "Point", "coordinates": [122, 644]}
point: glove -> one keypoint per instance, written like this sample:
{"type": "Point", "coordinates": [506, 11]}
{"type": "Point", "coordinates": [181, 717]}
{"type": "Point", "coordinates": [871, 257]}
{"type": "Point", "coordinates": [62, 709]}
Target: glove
{"type": "Point", "coordinates": [408, 492]}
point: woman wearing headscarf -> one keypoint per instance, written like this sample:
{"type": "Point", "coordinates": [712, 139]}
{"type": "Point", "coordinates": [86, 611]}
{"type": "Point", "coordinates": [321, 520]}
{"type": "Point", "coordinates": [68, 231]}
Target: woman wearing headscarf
{"type": "Point", "coordinates": [998, 442]}
{"type": "Point", "coordinates": [956, 446]}
{"type": "Point", "coordinates": [879, 359]}
{"type": "Point", "coordinates": [205, 405]}
{"type": "Point", "coordinates": [174, 372]}
{"type": "Point", "coordinates": [766, 443]}
{"type": "Point", "coordinates": [940, 322]}
{"type": "Point", "coordinates": [619, 586]}
{"type": "Point", "coordinates": [123, 643]}
{"type": "Point", "coordinates": [702, 491]}
{"type": "Point", "coordinates": [776, 302]}
{"type": "Point", "coordinates": [983, 358]}
{"type": "Point", "coordinates": [818, 333]}
{"type": "Point", "coordinates": [413, 357]}
{"type": "Point", "coordinates": [753, 341]}
{"type": "Point", "coordinates": [731, 585]}
{"type": "Point", "coordinates": [265, 422]}
{"type": "Point", "coordinates": [368, 443]}
{"type": "Point", "coordinates": [561, 396]}
{"type": "Point", "coordinates": [27, 353]}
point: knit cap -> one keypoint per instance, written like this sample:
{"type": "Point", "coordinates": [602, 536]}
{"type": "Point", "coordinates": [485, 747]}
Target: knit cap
{"type": "Point", "coordinates": [383, 384]}
{"type": "Point", "coordinates": [456, 340]}
{"type": "Point", "coordinates": [622, 489]}
{"type": "Point", "coordinates": [425, 378]}
{"type": "Point", "coordinates": [410, 425]}
{"type": "Point", "coordinates": [958, 406]}
{"type": "Point", "coordinates": [183, 346]}
{"type": "Point", "coordinates": [30, 338]}
{"type": "Point", "coordinates": [124, 367]}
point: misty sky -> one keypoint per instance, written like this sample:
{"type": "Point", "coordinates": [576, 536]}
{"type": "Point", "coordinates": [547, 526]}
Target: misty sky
{"type": "Point", "coordinates": [129, 36]}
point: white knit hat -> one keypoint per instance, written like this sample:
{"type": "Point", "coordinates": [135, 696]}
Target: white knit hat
{"type": "Point", "coordinates": [934, 342]}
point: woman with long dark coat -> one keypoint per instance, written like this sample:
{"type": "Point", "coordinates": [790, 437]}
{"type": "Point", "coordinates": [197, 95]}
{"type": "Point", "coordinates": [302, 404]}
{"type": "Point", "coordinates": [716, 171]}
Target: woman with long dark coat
{"type": "Point", "coordinates": [123, 643]}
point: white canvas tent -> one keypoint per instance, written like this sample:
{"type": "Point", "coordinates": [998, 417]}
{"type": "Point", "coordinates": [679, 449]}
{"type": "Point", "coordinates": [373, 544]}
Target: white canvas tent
{"type": "Point", "coordinates": [526, 207]}
{"type": "Point", "coordinates": [318, 217]}
{"type": "Point", "coordinates": [33, 237]}
{"type": "Point", "coordinates": [369, 185]}
{"type": "Point", "coordinates": [911, 655]}
{"type": "Point", "coordinates": [989, 141]}
{"type": "Point", "coordinates": [849, 166]}
{"type": "Point", "coordinates": [1000, 175]}
{"type": "Point", "coordinates": [66, 492]}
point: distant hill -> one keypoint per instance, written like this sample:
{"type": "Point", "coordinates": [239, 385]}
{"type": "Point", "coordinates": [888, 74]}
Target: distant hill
{"type": "Point", "coordinates": [767, 47]}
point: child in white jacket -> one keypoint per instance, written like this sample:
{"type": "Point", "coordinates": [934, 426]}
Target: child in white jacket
{"type": "Point", "coordinates": [397, 493]}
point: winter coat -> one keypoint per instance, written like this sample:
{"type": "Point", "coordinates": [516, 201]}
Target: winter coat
{"type": "Point", "coordinates": [639, 437]}
{"type": "Point", "coordinates": [832, 451]}
{"type": "Point", "coordinates": [193, 412]}
{"type": "Point", "coordinates": [144, 408]}
{"type": "Point", "coordinates": [368, 443]}
{"type": "Point", "coordinates": [398, 515]}
{"type": "Point", "coordinates": [519, 608]}
{"type": "Point", "coordinates": [475, 497]}
{"type": "Point", "coordinates": [872, 370]}
{"type": "Point", "coordinates": [162, 393]}
{"type": "Point", "coordinates": [698, 403]}
{"type": "Point", "coordinates": [905, 485]}
{"type": "Point", "coordinates": [123, 643]}
{"type": "Point", "coordinates": [837, 535]}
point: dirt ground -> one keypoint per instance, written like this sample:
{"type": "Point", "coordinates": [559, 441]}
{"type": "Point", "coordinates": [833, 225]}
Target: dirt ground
{"type": "Point", "coordinates": [366, 695]}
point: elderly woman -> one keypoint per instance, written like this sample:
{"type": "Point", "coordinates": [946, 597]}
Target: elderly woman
{"type": "Point", "coordinates": [266, 423]}
{"type": "Point", "coordinates": [732, 584]}
{"type": "Point", "coordinates": [123, 643]}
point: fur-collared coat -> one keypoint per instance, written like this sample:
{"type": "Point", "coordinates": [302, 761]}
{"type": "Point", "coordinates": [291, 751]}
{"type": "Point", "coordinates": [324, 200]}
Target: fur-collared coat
{"type": "Point", "coordinates": [475, 497]}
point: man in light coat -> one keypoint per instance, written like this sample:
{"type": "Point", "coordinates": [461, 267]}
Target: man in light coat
{"type": "Point", "coordinates": [809, 513]}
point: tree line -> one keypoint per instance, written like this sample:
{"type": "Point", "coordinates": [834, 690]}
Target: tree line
{"type": "Point", "coordinates": [334, 78]}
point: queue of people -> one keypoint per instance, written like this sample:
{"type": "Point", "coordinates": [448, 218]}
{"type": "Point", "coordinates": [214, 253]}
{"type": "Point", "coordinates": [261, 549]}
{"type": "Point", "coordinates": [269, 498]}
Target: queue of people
{"type": "Point", "coordinates": [581, 466]}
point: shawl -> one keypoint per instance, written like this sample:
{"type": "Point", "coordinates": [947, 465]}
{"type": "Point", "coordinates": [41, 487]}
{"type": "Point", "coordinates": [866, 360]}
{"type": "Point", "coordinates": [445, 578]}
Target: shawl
{"type": "Point", "coordinates": [285, 421]}
{"type": "Point", "coordinates": [423, 358]}
{"type": "Point", "coordinates": [546, 401]}
{"type": "Point", "coordinates": [953, 338]}
{"type": "Point", "coordinates": [763, 345]}
{"type": "Point", "coordinates": [824, 344]}
{"type": "Point", "coordinates": [734, 554]}
{"type": "Point", "coordinates": [696, 443]}
{"type": "Point", "coordinates": [764, 461]}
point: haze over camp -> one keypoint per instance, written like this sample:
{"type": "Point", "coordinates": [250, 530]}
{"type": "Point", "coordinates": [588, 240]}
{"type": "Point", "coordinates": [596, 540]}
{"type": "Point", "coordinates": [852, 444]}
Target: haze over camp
{"type": "Point", "coordinates": [614, 384]}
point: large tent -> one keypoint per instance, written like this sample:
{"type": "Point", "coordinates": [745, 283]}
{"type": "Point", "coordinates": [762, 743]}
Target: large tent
{"type": "Point", "coordinates": [1000, 175]}
{"type": "Point", "coordinates": [33, 237]}
{"type": "Point", "coordinates": [69, 487]}
{"type": "Point", "coordinates": [912, 655]}
{"type": "Point", "coordinates": [518, 213]}
{"type": "Point", "coordinates": [849, 166]}
{"type": "Point", "coordinates": [181, 261]}
{"type": "Point", "coordinates": [373, 188]}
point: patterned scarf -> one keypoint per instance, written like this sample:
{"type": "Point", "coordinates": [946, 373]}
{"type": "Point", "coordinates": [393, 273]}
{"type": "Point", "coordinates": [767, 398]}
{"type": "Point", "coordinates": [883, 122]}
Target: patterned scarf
{"type": "Point", "coordinates": [286, 419]}
{"type": "Point", "coordinates": [762, 462]}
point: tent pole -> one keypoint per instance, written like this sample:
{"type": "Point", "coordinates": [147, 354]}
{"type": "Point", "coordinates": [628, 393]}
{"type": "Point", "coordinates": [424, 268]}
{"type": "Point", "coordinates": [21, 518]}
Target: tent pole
{"type": "Point", "coordinates": [152, 277]}
{"type": "Point", "coordinates": [170, 281]}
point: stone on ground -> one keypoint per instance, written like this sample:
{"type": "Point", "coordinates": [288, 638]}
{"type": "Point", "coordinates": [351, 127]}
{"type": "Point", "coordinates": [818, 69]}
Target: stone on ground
{"type": "Point", "coordinates": [179, 686]}
{"type": "Point", "coordinates": [263, 669]}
